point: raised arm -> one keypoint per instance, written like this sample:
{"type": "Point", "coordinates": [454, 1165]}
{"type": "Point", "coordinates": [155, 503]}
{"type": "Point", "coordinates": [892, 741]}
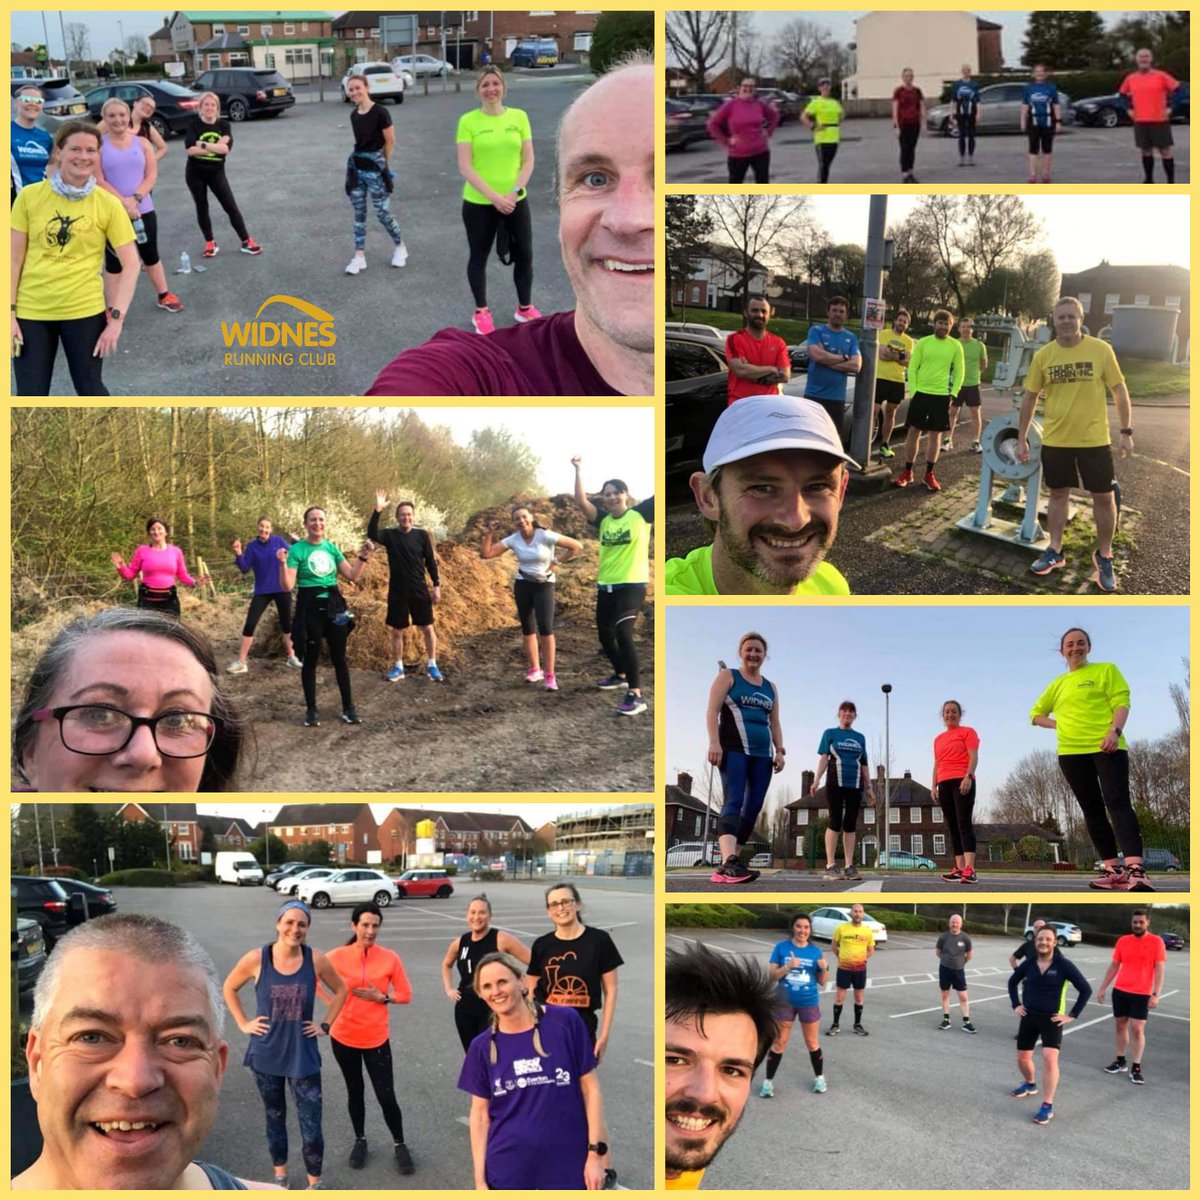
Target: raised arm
{"type": "Point", "coordinates": [488, 548]}
{"type": "Point", "coordinates": [581, 498]}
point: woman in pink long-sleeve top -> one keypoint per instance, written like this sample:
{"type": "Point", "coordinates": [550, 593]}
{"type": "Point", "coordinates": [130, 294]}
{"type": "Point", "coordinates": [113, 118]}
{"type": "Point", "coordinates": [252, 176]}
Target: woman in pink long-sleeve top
{"type": "Point", "coordinates": [743, 125]}
{"type": "Point", "coordinates": [160, 567]}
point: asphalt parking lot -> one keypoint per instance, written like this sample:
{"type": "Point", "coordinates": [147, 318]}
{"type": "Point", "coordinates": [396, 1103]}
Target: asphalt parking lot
{"type": "Point", "coordinates": [425, 1046]}
{"type": "Point", "coordinates": [911, 1106]}
{"type": "Point", "coordinates": [287, 174]}
{"type": "Point", "coordinates": [869, 154]}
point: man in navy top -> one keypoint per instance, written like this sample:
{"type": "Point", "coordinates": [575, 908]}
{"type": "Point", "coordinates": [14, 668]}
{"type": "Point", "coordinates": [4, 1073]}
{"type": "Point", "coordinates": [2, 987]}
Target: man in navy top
{"type": "Point", "coordinates": [965, 98]}
{"type": "Point", "coordinates": [833, 354]}
{"type": "Point", "coordinates": [1041, 116]}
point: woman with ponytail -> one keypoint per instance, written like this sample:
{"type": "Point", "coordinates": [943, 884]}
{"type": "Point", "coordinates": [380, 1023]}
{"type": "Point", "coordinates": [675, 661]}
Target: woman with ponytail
{"type": "Point", "coordinates": [537, 1118]}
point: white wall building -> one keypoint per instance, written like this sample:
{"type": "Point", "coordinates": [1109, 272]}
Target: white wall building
{"type": "Point", "coordinates": [934, 44]}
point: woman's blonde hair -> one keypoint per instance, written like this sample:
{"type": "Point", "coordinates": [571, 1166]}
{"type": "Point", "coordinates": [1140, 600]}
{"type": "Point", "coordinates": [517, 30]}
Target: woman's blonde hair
{"type": "Point", "coordinates": [517, 968]}
{"type": "Point", "coordinates": [752, 636]}
{"type": "Point", "coordinates": [205, 95]}
{"type": "Point", "coordinates": [491, 70]}
{"type": "Point", "coordinates": [115, 100]}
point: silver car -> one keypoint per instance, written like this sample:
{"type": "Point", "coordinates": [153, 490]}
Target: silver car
{"type": "Point", "coordinates": [999, 111]}
{"type": "Point", "coordinates": [420, 65]}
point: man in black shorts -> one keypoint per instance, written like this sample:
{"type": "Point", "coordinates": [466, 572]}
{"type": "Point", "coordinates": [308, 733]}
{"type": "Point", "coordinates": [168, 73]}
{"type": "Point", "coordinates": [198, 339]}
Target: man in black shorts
{"type": "Point", "coordinates": [891, 370]}
{"type": "Point", "coordinates": [1138, 965]}
{"type": "Point", "coordinates": [954, 951]}
{"type": "Point", "coordinates": [975, 362]}
{"type": "Point", "coordinates": [1076, 372]}
{"type": "Point", "coordinates": [411, 553]}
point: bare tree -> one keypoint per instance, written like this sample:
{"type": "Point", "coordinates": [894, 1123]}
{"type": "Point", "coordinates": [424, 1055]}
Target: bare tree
{"type": "Point", "coordinates": [804, 51]}
{"type": "Point", "coordinates": [79, 46]}
{"type": "Point", "coordinates": [1180, 698]}
{"type": "Point", "coordinates": [136, 44]}
{"type": "Point", "coordinates": [751, 225]}
{"type": "Point", "coordinates": [698, 40]}
{"type": "Point", "coordinates": [992, 231]}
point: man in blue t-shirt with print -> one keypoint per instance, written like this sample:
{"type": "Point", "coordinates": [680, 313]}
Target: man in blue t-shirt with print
{"type": "Point", "coordinates": [1041, 117]}
{"type": "Point", "coordinates": [843, 751]}
{"type": "Point", "coordinates": [833, 354]}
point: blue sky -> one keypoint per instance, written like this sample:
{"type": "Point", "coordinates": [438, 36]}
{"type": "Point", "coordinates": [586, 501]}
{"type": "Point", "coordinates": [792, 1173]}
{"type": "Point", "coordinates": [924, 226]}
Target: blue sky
{"type": "Point", "coordinates": [995, 661]}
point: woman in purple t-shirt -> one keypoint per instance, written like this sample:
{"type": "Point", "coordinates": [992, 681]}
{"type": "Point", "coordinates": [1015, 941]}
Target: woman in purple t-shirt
{"type": "Point", "coordinates": [160, 566]}
{"type": "Point", "coordinates": [537, 1118]}
{"type": "Point", "coordinates": [743, 125]}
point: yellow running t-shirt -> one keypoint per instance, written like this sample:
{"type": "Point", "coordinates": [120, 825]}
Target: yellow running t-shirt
{"type": "Point", "coordinates": [826, 114]}
{"type": "Point", "coordinates": [687, 1181]}
{"type": "Point", "coordinates": [889, 368]}
{"type": "Point", "coordinates": [692, 576]}
{"type": "Point", "coordinates": [852, 943]}
{"type": "Point", "coordinates": [625, 545]}
{"type": "Point", "coordinates": [1076, 380]}
{"type": "Point", "coordinates": [496, 143]}
{"type": "Point", "coordinates": [1082, 703]}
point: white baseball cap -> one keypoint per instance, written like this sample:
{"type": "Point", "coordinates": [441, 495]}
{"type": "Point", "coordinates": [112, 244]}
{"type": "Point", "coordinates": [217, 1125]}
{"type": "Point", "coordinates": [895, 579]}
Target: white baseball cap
{"type": "Point", "coordinates": [760, 424]}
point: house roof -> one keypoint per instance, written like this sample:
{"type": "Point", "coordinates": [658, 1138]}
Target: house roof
{"type": "Point", "coordinates": [1014, 832]}
{"type": "Point", "coordinates": [1131, 271]}
{"type": "Point", "coordinates": [225, 41]}
{"type": "Point", "coordinates": [221, 825]}
{"type": "Point", "coordinates": [676, 795]}
{"type": "Point", "coordinates": [467, 822]}
{"type": "Point", "coordinates": [729, 256]}
{"type": "Point", "coordinates": [208, 16]}
{"type": "Point", "coordinates": [320, 814]}
{"type": "Point", "coordinates": [981, 24]}
{"type": "Point", "coordinates": [159, 34]}
{"type": "Point", "coordinates": [173, 812]}
{"type": "Point", "coordinates": [367, 19]}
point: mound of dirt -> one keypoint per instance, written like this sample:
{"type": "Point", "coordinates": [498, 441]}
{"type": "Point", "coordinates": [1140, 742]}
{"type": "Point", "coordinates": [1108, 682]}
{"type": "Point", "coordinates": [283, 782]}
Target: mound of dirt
{"type": "Point", "coordinates": [559, 513]}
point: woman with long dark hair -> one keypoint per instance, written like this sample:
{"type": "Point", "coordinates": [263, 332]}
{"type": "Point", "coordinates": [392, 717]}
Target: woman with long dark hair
{"type": "Point", "coordinates": [161, 567]}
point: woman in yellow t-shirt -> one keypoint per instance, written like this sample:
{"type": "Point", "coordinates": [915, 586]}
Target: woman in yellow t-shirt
{"type": "Point", "coordinates": [1090, 704]}
{"type": "Point", "coordinates": [59, 228]}
{"type": "Point", "coordinates": [495, 157]}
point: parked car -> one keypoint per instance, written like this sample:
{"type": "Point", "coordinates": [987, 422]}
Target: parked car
{"type": "Point", "coordinates": [902, 860]}
{"type": "Point", "coordinates": [427, 881]}
{"type": "Point", "coordinates": [826, 920]}
{"type": "Point", "coordinates": [237, 866]}
{"type": "Point", "coordinates": [383, 83]}
{"type": "Point", "coordinates": [420, 65]}
{"type": "Point", "coordinates": [535, 52]}
{"type": "Point", "coordinates": [685, 125]}
{"type": "Point", "coordinates": [281, 872]}
{"type": "Point", "coordinates": [691, 854]}
{"type": "Point", "coordinates": [100, 901]}
{"type": "Point", "coordinates": [497, 864]}
{"type": "Point", "coordinates": [694, 327]}
{"type": "Point", "coordinates": [352, 885]}
{"type": "Point", "coordinates": [1110, 111]}
{"type": "Point", "coordinates": [48, 903]}
{"type": "Point", "coordinates": [174, 105]}
{"type": "Point", "coordinates": [999, 111]}
{"type": "Point", "coordinates": [799, 357]}
{"type": "Point", "coordinates": [760, 860]}
{"type": "Point", "coordinates": [787, 103]}
{"type": "Point", "coordinates": [287, 887]}
{"type": "Point", "coordinates": [1068, 934]}
{"type": "Point", "coordinates": [1153, 859]}
{"type": "Point", "coordinates": [29, 952]}
{"type": "Point", "coordinates": [1172, 941]}
{"type": "Point", "coordinates": [696, 394]}
{"type": "Point", "coordinates": [64, 101]}
{"type": "Point", "coordinates": [247, 91]}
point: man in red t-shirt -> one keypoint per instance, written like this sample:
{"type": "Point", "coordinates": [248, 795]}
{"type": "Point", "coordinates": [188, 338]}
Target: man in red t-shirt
{"type": "Point", "coordinates": [758, 361]}
{"type": "Point", "coordinates": [1149, 91]}
{"type": "Point", "coordinates": [1138, 965]}
{"type": "Point", "coordinates": [908, 115]}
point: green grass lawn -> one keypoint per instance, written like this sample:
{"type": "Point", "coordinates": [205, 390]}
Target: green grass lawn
{"type": "Point", "coordinates": [1147, 378]}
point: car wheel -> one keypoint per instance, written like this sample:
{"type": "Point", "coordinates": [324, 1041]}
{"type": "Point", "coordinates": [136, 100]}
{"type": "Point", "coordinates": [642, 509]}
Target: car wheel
{"type": "Point", "coordinates": [924, 867]}
{"type": "Point", "coordinates": [383, 899]}
{"type": "Point", "coordinates": [164, 130]}
{"type": "Point", "coordinates": [950, 127]}
{"type": "Point", "coordinates": [400, 98]}
{"type": "Point", "coordinates": [1062, 941]}
{"type": "Point", "coordinates": [1029, 937]}
{"type": "Point", "coordinates": [238, 110]}
{"type": "Point", "coordinates": [443, 892]}
{"type": "Point", "coordinates": [321, 900]}
{"type": "Point", "coordinates": [1109, 118]}
{"type": "Point", "coordinates": [1169, 869]}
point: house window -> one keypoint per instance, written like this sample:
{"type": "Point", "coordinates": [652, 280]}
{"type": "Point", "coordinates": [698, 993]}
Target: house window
{"type": "Point", "coordinates": [802, 816]}
{"type": "Point", "coordinates": [185, 851]}
{"type": "Point", "coordinates": [244, 30]}
{"type": "Point", "coordinates": [918, 844]}
{"type": "Point", "coordinates": [1142, 299]}
{"type": "Point", "coordinates": [695, 295]}
{"type": "Point", "coordinates": [800, 846]}
{"type": "Point", "coordinates": [1172, 301]}
{"type": "Point", "coordinates": [271, 60]}
{"type": "Point", "coordinates": [583, 39]}
{"type": "Point", "coordinates": [303, 26]}
{"type": "Point", "coordinates": [939, 843]}
{"type": "Point", "coordinates": [1111, 300]}
{"type": "Point", "coordinates": [267, 30]}
{"type": "Point", "coordinates": [289, 30]}
{"type": "Point", "coordinates": [894, 818]}
{"type": "Point", "coordinates": [1085, 298]}
{"type": "Point", "coordinates": [375, 33]}
{"type": "Point", "coordinates": [697, 825]}
{"type": "Point", "coordinates": [218, 29]}
{"type": "Point", "coordinates": [239, 59]}
{"type": "Point", "coordinates": [914, 816]}
{"type": "Point", "coordinates": [822, 814]}
{"type": "Point", "coordinates": [868, 816]}
{"type": "Point", "coordinates": [894, 841]}
{"type": "Point", "coordinates": [214, 61]}
{"type": "Point", "coordinates": [937, 815]}
{"type": "Point", "coordinates": [360, 33]}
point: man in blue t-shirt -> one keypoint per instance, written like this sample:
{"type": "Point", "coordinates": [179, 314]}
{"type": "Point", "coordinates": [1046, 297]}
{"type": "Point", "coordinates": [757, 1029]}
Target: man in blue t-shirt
{"type": "Point", "coordinates": [964, 95]}
{"type": "Point", "coordinates": [1041, 117]}
{"type": "Point", "coordinates": [798, 967]}
{"type": "Point", "coordinates": [843, 751]}
{"type": "Point", "coordinates": [833, 354]}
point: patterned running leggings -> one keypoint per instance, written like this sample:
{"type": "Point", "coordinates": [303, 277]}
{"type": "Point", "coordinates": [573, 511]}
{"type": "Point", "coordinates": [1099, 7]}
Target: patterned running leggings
{"type": "Point", "coordinates": [371, 184]}
{"type": "Point", "coordinates": [306, 1093]}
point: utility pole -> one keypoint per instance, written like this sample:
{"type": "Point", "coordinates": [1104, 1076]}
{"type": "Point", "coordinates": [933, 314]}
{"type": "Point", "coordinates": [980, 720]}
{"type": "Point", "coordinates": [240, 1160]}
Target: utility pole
{"type": "Point", "coordinates": [167, 836]}
{"type": "Point", "coordinates": [878, 260]}
{"type": "Point", "coordinates": [887, 772]}
{"type": "Point", "coordinates": [37, 825]}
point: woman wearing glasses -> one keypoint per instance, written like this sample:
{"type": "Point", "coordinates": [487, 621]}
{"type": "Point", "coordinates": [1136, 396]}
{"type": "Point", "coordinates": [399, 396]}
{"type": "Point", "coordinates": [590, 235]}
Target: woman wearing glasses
{"type": "Point", "coordinates": [30, 145]}
{"type": "Point", "coordinates": [127, 700]}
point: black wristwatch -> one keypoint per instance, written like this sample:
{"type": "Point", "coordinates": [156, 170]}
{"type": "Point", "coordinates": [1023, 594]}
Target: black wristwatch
{"type": "Point", "coordinates": [115, 314]}
{"type": "Point", "coordinates": [325, 1027]}
{"type": "Point", "coordinates": [1128, 432]}
{"type": "Point", "coordinates": [600, 1148]}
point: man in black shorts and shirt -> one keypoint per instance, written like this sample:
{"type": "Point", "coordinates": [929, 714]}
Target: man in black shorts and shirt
{"type": "Point", "coordinates": [411, 553]}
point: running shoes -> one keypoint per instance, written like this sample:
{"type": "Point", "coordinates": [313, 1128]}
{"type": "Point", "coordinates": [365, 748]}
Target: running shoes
{"type": "Point", "coordinates": [733, 870]}
{"type": "Point", "coordinates": [434, 675]}
{"type": "Point", "coordinates": [885, 451]}
{"type": "Point", "coordinates": [953, 876]}
{"type": "Point", "coordinates": [482, 323]}
{"type": "Point", "coordinates": [977, 447]}
{"type": "Point", "coordinates": [930, 481]}
{"type": "Point", "coordinates": [1044, 1115]}
{"type": "Point", "coordinates": [527, 313]}
{"type": "Point", "coordinates": [211, 249]}
{"type": "Point", "coordinates": [395, 674]}
{"type": "Point", "coordinates": [833, 1030]}
{"type": "Point", "coordinates": [1105, 577]}
{"type": "Point", "coordinates": [404, 1162]}
{"type": "Point", "coordinates": [1136, 881]}
{"type": "Point", "coordinates": [819, 1084]}
{"type": "Point", "coordinates": [358, 1154]}
{"type": "Point", "coordinates": [631, 705]}
{"type": "Point", "coordinates": [947, 443]}
{"type": "Point", "coordinates": [1110, 879]}
{"type": "Point", "coordinates": [170, 302]}
{"type": "Point", "coordinates": [1049, 560]}
{"type": "Point", "coordinates": [833, 873]}
{"type": "Point", "coordinates": [400, 255]}
{"type": "Point", "coordinates": [237, 668]}
{"type": "Point", "coordinates": [1116, 1067]}
{"type": "Point", "coordinates": [351, 717]}
{"type": "Point", "coordinates": [535, 675]}
{"type": "Point", "coordinates": [356, 264]}
{"type": "Point", "coordinates": [311, 718]}
{"type": "Point", "coordinates": [861, 1031]}
{"type": "Point", "coordinates": [1022, 1090]}
{"type": "Point", "coordinates": [851, 872]}
{"type": "Point", "coordinates": [903, 479]}
{"type": "Point", "coordinates": [551, 682]}
{"type": "Point", "coordinates": [944, 1023]}
{"type": "Point", "coordinates": [612, 683]}
{"type": "Point", "coordinates": [293, 661]}
{"type": "Point", "coordinates": [1135, 1075]}
{"type": "Point", "coordinates": [969, 876]}
{"type": "Point", "coordinates": [768, 1089]}
{"type": "Point", "coordinates": [250, 246]}
{"type": "Point", "coordinates": [967, 1027]}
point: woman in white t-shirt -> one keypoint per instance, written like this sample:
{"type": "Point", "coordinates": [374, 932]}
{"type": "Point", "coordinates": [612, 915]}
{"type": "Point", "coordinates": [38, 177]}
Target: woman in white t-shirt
{"type": "Point", "coordinates": [533, 587]}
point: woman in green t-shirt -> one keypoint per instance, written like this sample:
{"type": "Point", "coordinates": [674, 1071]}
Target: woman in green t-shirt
{"type": "Point", "coordinates": [312, 567]}
{"type": "Point", "coordinates": [495, 157]}
{"type": "Point", "coordinates": [1090, 704]}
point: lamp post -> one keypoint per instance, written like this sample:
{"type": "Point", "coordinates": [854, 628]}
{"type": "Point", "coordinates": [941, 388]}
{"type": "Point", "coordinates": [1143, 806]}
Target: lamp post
{"type": "Point", "coordinates": [887, 771]}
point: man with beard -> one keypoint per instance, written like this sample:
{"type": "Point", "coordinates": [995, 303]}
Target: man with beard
{"type": "Point", "coordinates": [720, 1025]}
{"type": "Point", "coordinates": [773, 481]}
{"type": "Point", "coordinates": [758, 360]}
{"type": "Point", "coordinates": [891, 371]}
{"type": "Point", "coordinates": [833, 354]}
{"type": "Point", "coordinates": [1138, 965]}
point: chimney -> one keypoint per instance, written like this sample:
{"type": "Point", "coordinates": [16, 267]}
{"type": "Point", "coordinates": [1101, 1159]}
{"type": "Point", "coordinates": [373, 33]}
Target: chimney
{"type": "Point", "coordinates": [806, 782]}
{"type": "Point", "coordinates": [684, 782]}
{"type": "Point", "coordinates": [908, 776]}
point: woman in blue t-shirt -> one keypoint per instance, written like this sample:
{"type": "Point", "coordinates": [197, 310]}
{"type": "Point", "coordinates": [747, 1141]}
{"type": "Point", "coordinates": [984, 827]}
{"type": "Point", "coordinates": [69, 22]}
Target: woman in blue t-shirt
{"type": "Point", "coordinates": [799, 969]}
{"type": "Point", "coordinates": [745, 742]}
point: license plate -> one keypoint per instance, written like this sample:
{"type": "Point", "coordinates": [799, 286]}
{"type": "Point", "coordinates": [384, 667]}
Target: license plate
{"type": "Point", "coordinates": [281, 91]}
{"type": "Point", "coordinates": [33, 945]}
{"type": "Point", "coordinates": [79, 108]}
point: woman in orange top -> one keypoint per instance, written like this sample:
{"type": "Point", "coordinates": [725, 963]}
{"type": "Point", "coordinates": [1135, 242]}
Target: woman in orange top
{"type": "Point", "coordinates": [359, 1037]}
{"type": "Point", "coordinates": [955, 756]}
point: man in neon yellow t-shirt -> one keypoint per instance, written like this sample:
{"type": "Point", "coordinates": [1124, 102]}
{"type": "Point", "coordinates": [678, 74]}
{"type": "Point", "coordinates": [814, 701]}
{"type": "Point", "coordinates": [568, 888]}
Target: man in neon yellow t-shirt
{"type": "Point", "coordinates": [773, 481]}
{"type": "Point", "coordinates": [975, 362]}
{"type": "Point", "coordinates": [1076, 372]}
{"type": "Point", "coordinates": [824, 117]}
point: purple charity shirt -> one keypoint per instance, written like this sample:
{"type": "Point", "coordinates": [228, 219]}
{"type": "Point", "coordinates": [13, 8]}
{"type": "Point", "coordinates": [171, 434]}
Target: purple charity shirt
{"type": "Point", "coordinates": [538, 1136]}
{"type": "Point", "coordinates": [538, 358]}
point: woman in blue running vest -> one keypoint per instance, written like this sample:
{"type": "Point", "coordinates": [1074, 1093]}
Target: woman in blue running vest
{"type": "Point", "coordinates": [745, 742]}
{"type": "Point", "coordinates": [799, 970]}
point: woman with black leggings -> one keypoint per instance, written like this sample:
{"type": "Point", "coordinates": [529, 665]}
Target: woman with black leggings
{"type": "Point", "coordinates": [495, 157]}
{"type": "Point", "coordinates": [1090, 705]}
{"type": "Point", "coordinates": [375, 978]}
{"type": "Point", "coordinates": [536, 549]}
{"type": "Point", "coordinates": [312, 567]}
{"type": "Point", "coordinates": [208, 142]}
{"type": "Point", "coordinates": [624, 571]}
{"type": "Point", "coordinates": [955, 757]}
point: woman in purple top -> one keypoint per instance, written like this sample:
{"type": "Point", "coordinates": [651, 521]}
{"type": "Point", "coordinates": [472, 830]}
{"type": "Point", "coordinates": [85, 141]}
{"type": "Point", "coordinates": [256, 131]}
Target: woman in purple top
{"type": "Point", "coordinates": [129, 170]}
{"type": "Point", "coordinates": [537, 1118]}
{"type": "Point", "coordinates": [260, 556]}
{"type": "Point", "coordinates": [160, 566]}
{"type": "Point", "coordinates": [743, 125]}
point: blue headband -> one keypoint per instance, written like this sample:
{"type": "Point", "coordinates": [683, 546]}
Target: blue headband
{"type": "Point", "coordinates": [295, 904]}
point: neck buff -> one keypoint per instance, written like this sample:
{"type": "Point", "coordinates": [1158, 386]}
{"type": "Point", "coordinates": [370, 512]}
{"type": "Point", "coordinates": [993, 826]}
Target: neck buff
{"type": "Point", "coordinates": [69, 191]}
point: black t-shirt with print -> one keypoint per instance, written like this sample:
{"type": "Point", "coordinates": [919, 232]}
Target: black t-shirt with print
{"type": "Point", "coordinates": [200, 132]}
{"type": "Point", "coordinates": [570, 972]}
{"type": "Point", "coordinates": [368, 128]}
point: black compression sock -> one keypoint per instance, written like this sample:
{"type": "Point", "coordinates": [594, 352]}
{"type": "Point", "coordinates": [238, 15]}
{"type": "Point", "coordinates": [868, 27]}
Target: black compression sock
{"type": "Point", "coordinates": [837, 1014]}
{"type": "Point", "coordinates": [161, 295]}
{"type": "Point", "coordinates": [817, 1058]}
{"type": "Point", "coordinates": [1169, 168]}
{"type": "Point", "coordinates": [908, 466]}
{"type": "Point", "coordinates": [858, 1014]}
{"type": "Point", "coordinates": [1148, 167]}
{"type": "Point", "coordinates": [773, 1061]}
{"type": "Point", "coordinates": [1121, 1059]}
{"type": "Point", "coordinates": [1136, 1066]}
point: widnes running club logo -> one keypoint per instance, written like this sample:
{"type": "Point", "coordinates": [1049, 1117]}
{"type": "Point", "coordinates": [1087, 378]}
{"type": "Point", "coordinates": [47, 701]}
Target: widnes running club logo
{"type": "Point", "coordinates": [271, 339]}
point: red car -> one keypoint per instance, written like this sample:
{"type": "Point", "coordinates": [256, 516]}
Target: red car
{"type": "Point", "coordinates": [424, 881]}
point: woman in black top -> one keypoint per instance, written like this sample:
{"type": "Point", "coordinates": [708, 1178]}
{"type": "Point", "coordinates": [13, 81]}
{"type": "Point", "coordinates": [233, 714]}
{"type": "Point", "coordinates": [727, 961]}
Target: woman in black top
{"type": "Point", "coordinates": [471, 1013]}
{"type": "Point", "coordinates": [209, 140]}
{"type": "Point", "coordinates": [368, 173]}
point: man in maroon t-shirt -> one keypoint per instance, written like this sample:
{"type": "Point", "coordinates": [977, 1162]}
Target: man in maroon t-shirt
{"type": "Point", "coordinates": [908, 115]}
{"type": "Point", "coordinates": [758, 361]}
{"type": "Point", "coordinates": [605, 347]}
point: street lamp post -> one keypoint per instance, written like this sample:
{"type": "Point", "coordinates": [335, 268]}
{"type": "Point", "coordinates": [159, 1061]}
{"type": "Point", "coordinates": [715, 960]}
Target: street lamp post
{"type": "Point", "coordinates": [887, 771]}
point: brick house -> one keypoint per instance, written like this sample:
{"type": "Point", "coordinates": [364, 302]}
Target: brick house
{"type": "Point", "coordinates": [350, 828]}
{"type": "Point", "coordinates": [297, 44]}
{"type": "Point", "coordinates": [162, 50]}
{"type": "Point", "coordinates": [230, 833]}
{"type": "Point", "coordinates": [683, 816]}
{"type": "Point", "coordinates": [180, 821]}
{"type": "Point", "coordinates": [454, 832]}
{"type": "Point", "coordinates": [1101, 288]}
{"type": "Point", "coordinates": [714, 279]}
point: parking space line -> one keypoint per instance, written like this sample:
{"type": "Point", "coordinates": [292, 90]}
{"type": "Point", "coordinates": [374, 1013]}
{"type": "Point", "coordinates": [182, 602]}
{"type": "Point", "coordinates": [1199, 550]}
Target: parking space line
{"type": "Point", "coordinates": [643, 1062]}
{"type": "Point", "coordinates": [868, 885]}
{"type": "Point", "coordinates": [1171, 1016]}
{"type": "Point", "coordinates": [916, 1012]}
{"type": "Point", "coordinates": [1108, 1017]}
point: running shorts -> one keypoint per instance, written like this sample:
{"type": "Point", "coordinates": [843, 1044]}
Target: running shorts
{"type": "Point", "coordinates": [1068, 466]}
{"type": "Point", "coordinates": [952, 978]}
{"type": "Point", "coordinates": [403, 611]}
{"type": "Point", "coordinates": [968, 394]}
{"type": "Point", "coordinates": [1130, 1004]}
{"type": "Point", "coordinates": [1152, 135]}
{"type": "Point", "coordinates": [856, 978]}
{"type": "Point", "coordinates": [806, 1014]}
{"type": "Point", "coordinates": [889, 391]}
{"type": "Point", "coordinates": [844, 803]}
{"type": "Point", "coordinates": [1034, 1025]}
{"type": "Point", "coordinates": [931, 413]}
{"type": "Point", "coordinates": [1041, 139]}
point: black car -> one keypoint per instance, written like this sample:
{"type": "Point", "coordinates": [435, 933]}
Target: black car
{"type": "Point", "coordinates": [283, 871]}
{"type": "Point", "coordinates": [174, 105]}
{"type": "Point", "coordinates": [247, 91]}
{"type": "Point", "coordinates": [100, 900]}
{"type": "Point", "coordinates": [29, 952]}
{"type": "Point", "coordinates": [685, 125]}
{"type": "Point", "coordinates": [697, 393]}
{"type": "Point", "coordinates": [1172, 941]}
{"type": "Point", "coordinates": [48, 903]}
{"type": "Point", "coordinates": [1111, 111]}
{"type": "Point", "coordinates": [64, 101]}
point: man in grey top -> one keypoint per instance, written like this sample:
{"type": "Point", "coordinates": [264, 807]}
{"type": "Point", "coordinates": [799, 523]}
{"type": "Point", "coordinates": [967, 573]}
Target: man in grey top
{"type": "Point", "coordinates": [954, 951]}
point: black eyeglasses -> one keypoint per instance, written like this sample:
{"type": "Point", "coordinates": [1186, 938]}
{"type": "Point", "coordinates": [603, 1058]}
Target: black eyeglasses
{"type": "Point", "coordinates": [97, 729]}
{"type": "Point", "coordinates": [560, 903]}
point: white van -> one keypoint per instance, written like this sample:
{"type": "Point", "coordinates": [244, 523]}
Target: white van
{"type": "Point", "coordinates": [236, 866]}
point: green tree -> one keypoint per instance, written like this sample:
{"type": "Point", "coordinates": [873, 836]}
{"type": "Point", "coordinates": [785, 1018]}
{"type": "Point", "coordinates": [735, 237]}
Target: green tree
{"type": "Point", "coordinates": [687, 226]}
{"type": "Point", "coordinates": [208, 840]}
{"type": "Point", "coordinates": [85, 839]}
{"type": "Point", "coordinates": [137, 843]}
{"type": "Point", "coordinates": [319, 853]}
{"type": "Point", "coordinates": [1061, 40]}
{"type": "Point", "coordinates": [279, 852]}
{"type": "Point", "coordinates": [620, 33]}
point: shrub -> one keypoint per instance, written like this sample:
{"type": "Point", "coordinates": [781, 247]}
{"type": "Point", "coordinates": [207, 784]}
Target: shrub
{"type": "Point", "coordinates": [139, 877]}
{"type": "Point", "coordinates": [617, 33]}
{"type": "Point", "coordinates": [710, 916]}
{"type": "Point", "coordinates": [62, 871]}
{"type": "Point", "coordinates": [194, 874]}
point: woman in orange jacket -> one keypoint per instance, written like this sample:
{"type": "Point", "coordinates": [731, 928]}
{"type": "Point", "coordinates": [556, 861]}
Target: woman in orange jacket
{"type": "Point", "coordinates": [375, 978]}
